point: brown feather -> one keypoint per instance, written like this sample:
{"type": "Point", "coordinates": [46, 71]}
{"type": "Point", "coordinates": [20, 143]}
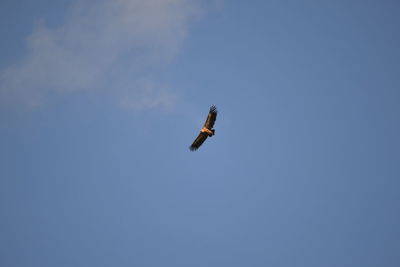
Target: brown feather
{"type": "Point", "coordinates": [211, 118]}
{"type": "Point", "coordinates": [199, 141]}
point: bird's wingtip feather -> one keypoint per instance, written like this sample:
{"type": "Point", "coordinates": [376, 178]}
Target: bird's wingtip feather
{"type": "Point", "coordinates": [213, 109]}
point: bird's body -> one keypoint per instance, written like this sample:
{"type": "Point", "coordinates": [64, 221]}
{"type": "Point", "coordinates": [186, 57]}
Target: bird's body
{"type": "Point", "coordinates": [207, 130]}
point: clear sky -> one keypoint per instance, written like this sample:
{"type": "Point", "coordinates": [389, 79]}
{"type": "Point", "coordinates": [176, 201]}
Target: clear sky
{"type": "Point", "coordinates": [100, 100]}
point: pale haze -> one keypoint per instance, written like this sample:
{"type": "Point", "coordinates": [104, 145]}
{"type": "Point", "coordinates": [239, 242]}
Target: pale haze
{"type": "Point", "coordinates": [100, 101]}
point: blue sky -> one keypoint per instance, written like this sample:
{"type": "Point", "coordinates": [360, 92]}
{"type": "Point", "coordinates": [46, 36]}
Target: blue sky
{"type": "Point", "coordinates": [100, 101]}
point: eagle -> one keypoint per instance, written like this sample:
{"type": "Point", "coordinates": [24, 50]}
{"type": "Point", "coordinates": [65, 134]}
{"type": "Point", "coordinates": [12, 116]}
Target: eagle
{"type": "Point", "coordinates": [207, 130]}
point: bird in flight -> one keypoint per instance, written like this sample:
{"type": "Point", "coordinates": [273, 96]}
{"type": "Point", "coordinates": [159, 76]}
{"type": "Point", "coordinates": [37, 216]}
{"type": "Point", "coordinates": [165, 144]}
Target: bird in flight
{"type": "Point", "coordinates": [207, 130]}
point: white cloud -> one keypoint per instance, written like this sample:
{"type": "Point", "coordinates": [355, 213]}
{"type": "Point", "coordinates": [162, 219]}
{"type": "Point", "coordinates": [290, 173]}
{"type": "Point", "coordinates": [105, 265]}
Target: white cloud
{"type": "Point", "coordinates": [148, 94]}
{"type": "Point", "coordinates": [103, 46]}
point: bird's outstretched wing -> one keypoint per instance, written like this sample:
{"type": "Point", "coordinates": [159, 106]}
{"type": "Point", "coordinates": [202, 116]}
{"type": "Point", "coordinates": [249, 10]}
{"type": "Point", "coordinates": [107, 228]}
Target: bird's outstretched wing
{"type": "Point", "coordinates": [199, 140]}
{"type": "Point", "coordinates": [211, 118]}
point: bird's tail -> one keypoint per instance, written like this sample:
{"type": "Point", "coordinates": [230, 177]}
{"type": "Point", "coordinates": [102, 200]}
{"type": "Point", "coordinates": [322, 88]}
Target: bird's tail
{"type": "Point", "coordinates": [213, 132]}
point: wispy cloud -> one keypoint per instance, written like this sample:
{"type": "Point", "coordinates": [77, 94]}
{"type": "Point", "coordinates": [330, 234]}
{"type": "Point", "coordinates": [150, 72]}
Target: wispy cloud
{"type": "Point", "coordinates": [148, 94]}
{"type": "Point", "coordinates": [108, 47]}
